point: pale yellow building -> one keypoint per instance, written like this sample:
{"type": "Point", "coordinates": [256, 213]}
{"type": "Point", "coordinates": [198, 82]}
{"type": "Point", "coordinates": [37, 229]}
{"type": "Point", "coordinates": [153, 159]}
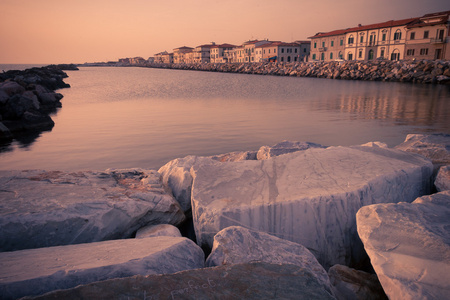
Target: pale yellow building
{"type": "Point", "coordinates": [179, 54]}
{"type": "Point", "coordinates": [220, 53]}
{"type": "Point", "coordinates": [394, 40]}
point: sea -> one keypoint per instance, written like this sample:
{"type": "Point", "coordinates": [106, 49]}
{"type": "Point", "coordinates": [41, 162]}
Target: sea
{"type": "Point", "coordinates": [131, 117]}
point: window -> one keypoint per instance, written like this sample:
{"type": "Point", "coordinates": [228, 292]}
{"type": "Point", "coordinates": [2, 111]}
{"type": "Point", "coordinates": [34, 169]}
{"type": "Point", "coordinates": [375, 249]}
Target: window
{"type": "Point", "coordinates": [350, 56]}
{"type": "Point", "coordinates": [282, 58]}
{"type": "Point", "coordinates": [412, 36]}
{"type": "Point", "coordinates": [296, 50]}
{"type": "Point", "coordinates": [289, 58]}
{"type": "Point", "coordinates": [314, 56]}
{"type": "Point", "coordinates": [360, 53]}
{"type": "Point", "coordinates": [282, 50]}
{"type": "Point", "coordinates": [371, 56]}
{"type": "Point", "coordinates": [372, 39]}
{"type": "Point", "coordinates": [382, 53]}
{"type": "Point", "coordinates": [332, 43]}
{"type": "Point", "coordinates": [361, 39]}
{"type": "Point", "coordinates": [410, 52]}
{"type": "Point", "coordinates": [341, 42]}
{"type": "Point", "coordinates": [350, 40]}
{"type": "Point", "coordinates": [322, 56]}
{"type": "Point", "coordinates": [424, 51]}
{"type": "Point", "coordinates": [264, 51]}
{"type": "Point", "coordinates": [323, 44]}
{"type": "Point", "coordinates": [395, 55]}
{"type": "Point", "coordinates": [269, 51]}
{"type": "Point", "coordinates": [274, 51]}
{"type": "Point", "coordinates": [315, 45]}
{"type": "Point", "coordinates": [383, 37]}
{"type": "Point", "coordinates": [425, 34]}
{"type": "Point", "coordinates": [304, 50]}
{"type": "Point", "coordinates": [397, 35]}
{"type": "Point", "coordinates": [340, 55]}
{"type": "Point", "coordinates": [331, 55]}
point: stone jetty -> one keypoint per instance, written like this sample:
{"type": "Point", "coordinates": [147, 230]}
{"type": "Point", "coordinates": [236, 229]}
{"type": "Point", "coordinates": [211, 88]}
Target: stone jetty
{"type": "Point", "coordinates": [292, 220]}
{"type": "Point", "coordinates": [415, 71]}
{"type": "Point", "coordinates": [28, 97]}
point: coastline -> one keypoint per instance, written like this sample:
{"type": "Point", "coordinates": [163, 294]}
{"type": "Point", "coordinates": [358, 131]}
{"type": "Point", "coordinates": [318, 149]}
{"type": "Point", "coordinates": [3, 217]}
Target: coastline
{"type": "Point", "coordinates": [413, 71]}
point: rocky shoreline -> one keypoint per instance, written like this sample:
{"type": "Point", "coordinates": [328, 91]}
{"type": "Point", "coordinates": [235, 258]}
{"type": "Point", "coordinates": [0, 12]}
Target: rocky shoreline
{"type": "Point", "coordinates": [290, 220]}
{"type": "Point", "coordinates": [28, 97]}
{"type": "Point", "coordinates": [415, 71]}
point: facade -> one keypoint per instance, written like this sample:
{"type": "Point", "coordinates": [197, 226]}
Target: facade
{"type": "Point", "coordinates": [221, 53]}
{"type": "Point", "coordinates": [424, 37]}
{"type": "Point", "coordinates": [179, 54]}
{"type": "Point", "coordinates": [202, 53]}
{"type": "Point", "coordinates": [428, 37]}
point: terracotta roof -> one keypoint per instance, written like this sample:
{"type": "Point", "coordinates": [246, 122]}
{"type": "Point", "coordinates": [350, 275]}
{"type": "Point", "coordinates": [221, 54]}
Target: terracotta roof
{"type": "Point", "coordinates": [205, 46]}
{"type": "Point", "coordinates": [391, 23]}
{"type": "Point", "coordinates": [430, 20]}
{"type": "Point", "coordinates": [183, 48]}
{"type": "Point", "coordinates": [224, 46]}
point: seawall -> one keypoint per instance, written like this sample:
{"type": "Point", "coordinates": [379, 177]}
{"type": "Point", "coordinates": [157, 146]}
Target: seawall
{"type": "Point", "coordinates": [417, 71]}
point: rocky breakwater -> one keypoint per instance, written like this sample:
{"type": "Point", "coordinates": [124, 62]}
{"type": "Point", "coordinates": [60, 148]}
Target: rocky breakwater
{"type": "Point", "coordinates": [419, 71]}
{"type": "Point", "coordinates": [277, 219]}
{"type": "Point", "coordinates": [28, 97]}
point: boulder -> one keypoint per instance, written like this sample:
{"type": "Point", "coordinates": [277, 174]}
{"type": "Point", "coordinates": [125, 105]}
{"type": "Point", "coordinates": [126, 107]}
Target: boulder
{"type": "Point", "coordinates": [351, 284]}
{"type": "Point", "coordinates": [375, 144]}
{"type": "Point", "coordinates": [158, 230]}
{"type": "Point", "coordinates": [80, 207]}
{"type": "Point", "coordinates": [442, 182]}
{"type": "Point", "coordinates": [433, 146]}
{"type": "Point", "coordinates": [409, 246]}
{"type": "Point", "coordinates": [235, 156]}
{"type": "Point", "coordinates": [11, 88]}
{"type": "Point", "coordinates": [257, 281]}
{"type": "Point", "coordinates": [5, 134]}
{"type": "Point", "coordinates": [236, 244]}
{"type": "Point", "coordinates": [284, 147]}
{"type": "Point", "coordinates": [309, 197]}
{"type": "Point", "coordinates": [37, 271]}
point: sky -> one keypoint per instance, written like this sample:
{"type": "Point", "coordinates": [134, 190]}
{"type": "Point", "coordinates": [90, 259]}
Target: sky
{"type": "Point", "coordinates": [79, 31]}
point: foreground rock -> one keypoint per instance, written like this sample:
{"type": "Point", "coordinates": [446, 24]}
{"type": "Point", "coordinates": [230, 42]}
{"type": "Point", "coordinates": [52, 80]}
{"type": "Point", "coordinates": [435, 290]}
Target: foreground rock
{"type": "Point", "coordinates": [309, 197]}
{"type": "Point", "coordinates": [241, 281]}
{"type": "Point", "coordinates": [37, 271]}
{"type": "Point", "coordinates": [409, 246]}
{"type": "Point", "coordinates": [237, 244]}
{"type": "Point", "coordinates": [42, 209]}
{"type": "Point", "coordinates": [176, 174]}
{"type": "Point", "coordinates": [433, 146]}
{"type": "Point", "coordinates": [351, 284]}
{"type": "Point", "coordinates": [442, 181]}
{"type": "Point", "coordinates": [158, 230]}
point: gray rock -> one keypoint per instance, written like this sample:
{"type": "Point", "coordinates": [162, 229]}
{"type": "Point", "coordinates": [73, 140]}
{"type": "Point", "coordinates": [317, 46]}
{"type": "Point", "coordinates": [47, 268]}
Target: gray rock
{"type": "Point", "coordinates": [284, 147]}
{"type": "Point", "coordinates": [442, 181]}
{"type": "Point", "coordinates": [158, 230]}
{"type": "Point", "coordinates": [236, 244]}
{"type": "Point", "coordinates": [42, 209]}
{"type": "Point", "coordinates": [351, 284]}
{"type": "Point", "coordinates": [241, 281]}
{"type": "Point", "coordinates": [409, 246]}
{"type": "Point", "coordinates": [235, 156]}
{"type": "Point", "coordinates": [37, 271]}
{"type": "Point", "coordinates": [5, 134]}
{"type": "Point", "coordinates": [309, 197]}
{"type": "Point", "coordinates": [433, 146]}
{"type": "Point", "coordinates": [11, 88]}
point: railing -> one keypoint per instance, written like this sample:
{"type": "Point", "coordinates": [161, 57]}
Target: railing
{"type": "Point", "coordinates": [322, 49]}
{"type": "Point", "coordinates": [437, 41]}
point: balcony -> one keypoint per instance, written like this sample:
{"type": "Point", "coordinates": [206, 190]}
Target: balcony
{"type": "Point", "coordinates": [322, 49]}
{"type": "Point", "coordinates": [437, 41]}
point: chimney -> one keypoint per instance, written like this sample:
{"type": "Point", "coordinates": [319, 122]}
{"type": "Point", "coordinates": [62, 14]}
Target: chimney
{"type": "Point", "coordinates": [359, 25]}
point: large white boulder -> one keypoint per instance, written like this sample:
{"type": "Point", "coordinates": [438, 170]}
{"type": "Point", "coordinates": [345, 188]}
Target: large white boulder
{"type": "Point", "coordinates": [42, 209]}
{"type": "Point", "coordinates": [442, 181]}
{"type": "Point", "coordinates": [433, 146]}
{"type": "Point", "coordinates": [158, 230]}
{"type": "Point", "coordinates": [409, 246]}
{"type": "Point", "coordinates": [266, 152]}
{"type": "Point", "coordinates": [309, 197]}
{"type": "Point", "coordinates": [252, 281]}
{"type": "Point", "coordinates": [37, 271]}
{"type": "Point", "coordinates": [236, 244]}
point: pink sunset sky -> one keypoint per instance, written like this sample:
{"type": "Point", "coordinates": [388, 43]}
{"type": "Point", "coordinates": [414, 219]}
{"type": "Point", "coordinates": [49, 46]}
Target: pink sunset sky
{"type": "Point", "coordinates": [66, 31]}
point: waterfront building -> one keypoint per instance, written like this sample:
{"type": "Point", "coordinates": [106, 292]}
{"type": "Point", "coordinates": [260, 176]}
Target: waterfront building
{"type": "Point", "coordinates": [221, 53]}
{"type": "Point", "coordinates": [179, 54]}
{"type": "Point", "coordinates": [428, 37]}
{"type": "Point", "coordinates": [394, 40]}
{"type": "Point", "coordinates": [202, 53]}
{"type": "Point", "coordinates": [305, 48]}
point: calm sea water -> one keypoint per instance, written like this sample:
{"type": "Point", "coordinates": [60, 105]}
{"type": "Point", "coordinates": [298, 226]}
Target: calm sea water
{"type": "Point", "coordinates": [140, 117]}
